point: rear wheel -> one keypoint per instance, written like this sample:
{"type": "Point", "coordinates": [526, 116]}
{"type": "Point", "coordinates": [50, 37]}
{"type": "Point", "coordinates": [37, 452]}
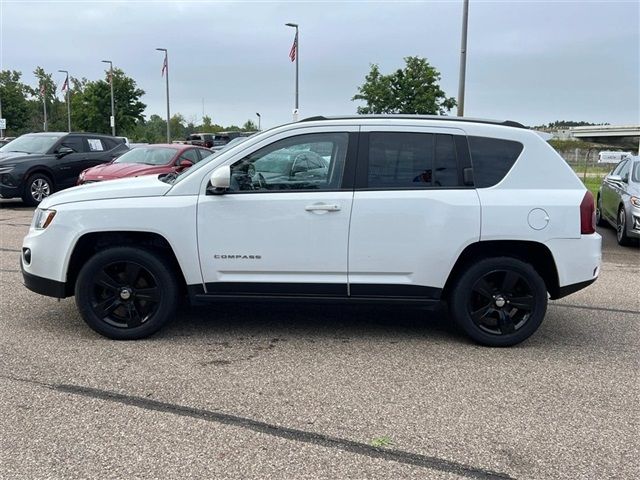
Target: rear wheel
{"type": "Point", "coordinates": [37, 188]}
{"type": "Point", "coordinates": [601, 222]}
{"type": "Point", "coordinates": [126, 293]}
{"type": "Point", "coordinates": [499, 302]}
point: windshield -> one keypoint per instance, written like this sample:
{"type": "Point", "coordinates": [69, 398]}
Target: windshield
{"type": "Point", "coordinates": [148, 156]}
{"type": "Point", "coordinates": [31, 144]}
{"type": "Point", "coordinates": [636, 172]}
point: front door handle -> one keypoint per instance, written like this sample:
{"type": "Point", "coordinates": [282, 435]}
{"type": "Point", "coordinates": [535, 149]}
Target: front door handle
{"type": "Point", "coordinates": [322, 207]}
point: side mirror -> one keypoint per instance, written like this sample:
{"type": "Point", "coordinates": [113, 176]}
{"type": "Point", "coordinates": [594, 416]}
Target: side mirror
{"type": "Point", "coordinates": [184, 163]}
{"type": "Point", "coordinates": [615, 178]}
{"type": "Point", "coordinates": [62, 151]}
{"type": "Point", "coordinates": [220, 179]}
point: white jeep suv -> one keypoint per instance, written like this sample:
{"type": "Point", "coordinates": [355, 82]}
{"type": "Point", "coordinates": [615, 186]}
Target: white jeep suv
{"type": "Point", "coordinates": [414, 210]}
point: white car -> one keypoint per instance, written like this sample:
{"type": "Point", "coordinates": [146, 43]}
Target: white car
{"type": "Point", "coordinates": [414, 210]}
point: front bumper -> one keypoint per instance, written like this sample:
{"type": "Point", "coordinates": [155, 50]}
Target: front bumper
{"type": "Point", "coordinates": [633, 223]}
{"type": "Point", "coordinates": [43, 286]}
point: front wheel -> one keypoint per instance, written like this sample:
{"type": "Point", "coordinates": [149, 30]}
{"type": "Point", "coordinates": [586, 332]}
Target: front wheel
{"type": "Point", "coordinates": [126, 293]}
{"type": "Point", "coordinates": [37, 188]}
{"type": "Point", "coordinates": [499, 302]}
{"type": "Point", "coordinates": [621, 228]}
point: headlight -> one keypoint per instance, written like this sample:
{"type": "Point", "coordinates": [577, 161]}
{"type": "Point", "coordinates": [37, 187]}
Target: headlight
{"type": "Point", "coordinates": [43, 218]}
{"type": "Point", "coordinates": [635, 201]}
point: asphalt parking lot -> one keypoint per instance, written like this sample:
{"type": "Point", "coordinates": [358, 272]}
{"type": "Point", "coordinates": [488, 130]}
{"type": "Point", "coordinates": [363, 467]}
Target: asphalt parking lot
{"type": "Point", "coordinates": [292, 391]}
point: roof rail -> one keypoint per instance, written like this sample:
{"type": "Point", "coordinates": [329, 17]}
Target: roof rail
{"type": "Point", "coordinates": [444, 118]}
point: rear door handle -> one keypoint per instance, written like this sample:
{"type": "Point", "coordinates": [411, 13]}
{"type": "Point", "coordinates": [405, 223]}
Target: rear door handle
{"type": "Point", "coordinates": [322, 207]}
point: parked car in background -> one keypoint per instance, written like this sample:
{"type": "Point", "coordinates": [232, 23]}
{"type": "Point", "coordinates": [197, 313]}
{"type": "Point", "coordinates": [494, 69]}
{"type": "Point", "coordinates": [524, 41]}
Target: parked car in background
{"type": "Point", "coordinates": [5, 140]}
{"type": "Point", "coordinates": [146, 160]}
{"type": "Point", "coordinates": [35, 165]}
{"type": "Point", "coordinates": [618, 202]}
{"type": "Point", "coordinates": [201, 139]}
{"type": "Point", "coordinates": [225, 146]}
{"type": "Point", "coordinates": [222, 138]}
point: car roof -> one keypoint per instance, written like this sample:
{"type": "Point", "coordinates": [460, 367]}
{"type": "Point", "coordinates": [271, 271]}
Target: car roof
{"type": "Point", "coordinates": [174, 146]}
{"type": "Point", "coordinates": [443, 118]}
{"type": "Point", "coordinates": [82, 134]}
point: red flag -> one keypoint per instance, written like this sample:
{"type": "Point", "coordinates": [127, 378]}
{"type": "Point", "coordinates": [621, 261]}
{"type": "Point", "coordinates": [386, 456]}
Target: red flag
{"type": "Point", "coordinates": [65, 85]}
{"type": "Point", "coordinates": [164, 66]}
{"type": "Point", "coordinates": [294, 49]}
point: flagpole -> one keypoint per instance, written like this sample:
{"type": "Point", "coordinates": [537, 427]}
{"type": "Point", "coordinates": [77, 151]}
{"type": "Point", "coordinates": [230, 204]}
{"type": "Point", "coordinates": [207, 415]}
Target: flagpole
{"type": "Point", "coordinates": [297, 51]}
{"type": "Point", "coordinates": [66, 82]}
{"type": "Point", "coordinates": [165, 69]}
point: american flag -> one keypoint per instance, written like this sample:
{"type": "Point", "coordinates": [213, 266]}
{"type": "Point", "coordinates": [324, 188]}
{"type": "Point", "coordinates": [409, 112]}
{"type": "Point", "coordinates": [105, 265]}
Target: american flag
{"type": "Point", "coordinates": [65, 85]}
{"type": "Point", "coordinates": [294, 49]}
{"type": "Point", "coordinates": [164, 66]}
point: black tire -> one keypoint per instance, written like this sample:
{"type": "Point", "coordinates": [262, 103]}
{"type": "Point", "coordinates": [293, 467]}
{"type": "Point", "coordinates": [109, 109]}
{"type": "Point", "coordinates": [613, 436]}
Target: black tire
{"type": "Point", "coordinates": [483, 301]}
{"type": "Point", "coordinates": [126, 293]}
{"type": "Point", "coordinates": [601, 222]}
{"type": "Point", "coordinates": [621, 227]}
{"type": "Point", "coordinates": [37, 187]}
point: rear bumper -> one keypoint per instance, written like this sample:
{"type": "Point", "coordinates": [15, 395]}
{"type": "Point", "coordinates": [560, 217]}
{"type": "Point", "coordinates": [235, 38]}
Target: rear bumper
{"type": "Point", "coordinates": [577, 262]}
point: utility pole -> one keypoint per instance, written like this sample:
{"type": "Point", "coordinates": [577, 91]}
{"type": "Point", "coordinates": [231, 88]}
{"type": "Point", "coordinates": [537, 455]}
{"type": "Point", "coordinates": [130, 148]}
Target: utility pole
{"type": "Point", "coordinates": [112, 120]}
{"type": "Point", "coordinates": [257, 114]}
{"type": "Point", "coordinates": [463, 58]}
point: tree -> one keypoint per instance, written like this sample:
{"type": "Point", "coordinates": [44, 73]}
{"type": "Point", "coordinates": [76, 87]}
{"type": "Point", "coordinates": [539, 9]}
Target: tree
{"type": "Point", "coordinates": [249, 126]}
{"type": "Point", "coordinates": [412, 90]}
{"type": "Point", "coordinates": [91, 104]}
{"type": "Point", "coordinates": [15, 106]}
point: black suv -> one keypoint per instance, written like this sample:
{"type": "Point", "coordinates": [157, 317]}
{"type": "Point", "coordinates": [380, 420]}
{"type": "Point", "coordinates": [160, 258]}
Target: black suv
{"type": "Point", "coordinates": [201, 139]}
{"type": "Point", "coordinates": [35, 165]}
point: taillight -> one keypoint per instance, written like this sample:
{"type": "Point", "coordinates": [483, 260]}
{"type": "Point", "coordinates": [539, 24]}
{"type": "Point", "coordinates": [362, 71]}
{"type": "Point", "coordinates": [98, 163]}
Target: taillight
{"type": "Point", "coordinates": [587, 214]}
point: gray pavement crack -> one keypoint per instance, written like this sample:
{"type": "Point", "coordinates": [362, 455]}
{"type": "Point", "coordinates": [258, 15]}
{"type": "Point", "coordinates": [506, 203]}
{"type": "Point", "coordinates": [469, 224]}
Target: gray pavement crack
{"type": "Point", "coordinates": [293, 434]}
{"type": "Point", "coordinates": [9, 250]}
{"type": "Point", "coordinates": [587, 307]}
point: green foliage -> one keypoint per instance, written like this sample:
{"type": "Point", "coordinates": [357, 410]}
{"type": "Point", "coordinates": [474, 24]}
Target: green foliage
{"type": "Point", "coordinates": [249, 126]}
{"type": "Point", "coordinates": [558, 124]}
{"type": "Point", "coordinates": [15, 106]}
{"type": "Point", "coordinates": [412, 90]}
{"type": "Point", "coordinates": [91, 104]}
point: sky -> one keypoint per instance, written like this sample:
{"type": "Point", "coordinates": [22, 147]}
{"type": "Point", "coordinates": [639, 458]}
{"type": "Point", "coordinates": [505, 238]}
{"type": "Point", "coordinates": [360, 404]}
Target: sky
{"type": "Point", "coordinates": [530, 61]}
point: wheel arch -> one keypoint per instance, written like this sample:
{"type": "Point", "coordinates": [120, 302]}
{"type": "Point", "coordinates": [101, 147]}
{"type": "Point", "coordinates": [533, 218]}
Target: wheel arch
{"type": "Point", "coordinates": [41, 169]}
{"type": "Point", "coordinates": [90, 243]}
{"type": "Point", "coordinates": [536, 254]}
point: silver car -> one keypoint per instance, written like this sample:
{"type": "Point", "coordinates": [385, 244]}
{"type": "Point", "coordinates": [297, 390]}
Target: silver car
{"type": "Point", "coordinates": [618, 201]}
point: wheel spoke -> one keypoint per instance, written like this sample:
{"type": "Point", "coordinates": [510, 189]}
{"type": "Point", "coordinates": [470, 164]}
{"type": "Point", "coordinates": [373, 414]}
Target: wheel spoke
{"type": "Point", "coordinates": [134, 319]}
{"type": "Point", "coordinates": [148, 294]}
{"type": "Point", "coordinates": [104, 280]}
{"type": "Point", "coordinates": [481, 313]}
{"type": "Point", "coordinates": [505, 323]}
{"type": "Point", "coordinates": [104, 308]}
{"type": "Point", "coordinates": [524, 302]}
{"type": "Point", "coordinates": [132, 272]}
{"type": "Point", "coordinates": [483, 288]}
{"type": "Point", "coordinates": [509, 281]}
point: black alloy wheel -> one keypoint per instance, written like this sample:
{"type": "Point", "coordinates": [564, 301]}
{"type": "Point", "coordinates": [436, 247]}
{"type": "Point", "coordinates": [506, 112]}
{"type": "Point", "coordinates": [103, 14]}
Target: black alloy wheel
{"type": "Point", "coordinates": [499, 301]}
{"type": "Point", "coordinates": [126, 293]}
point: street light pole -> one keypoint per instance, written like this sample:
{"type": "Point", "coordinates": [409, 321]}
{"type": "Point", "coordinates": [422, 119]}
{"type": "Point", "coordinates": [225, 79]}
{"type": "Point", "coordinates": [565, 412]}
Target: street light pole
{"type": "Point", "coordinates": [297, 53]}
{"type": "Point", "coordinates": [259, 118]}
{"type": "Point", "coordinates": [165, 70]}
{"type": "Point", "coordinates": [66, 82]}
{"type": "Point", "coordinates": [112, 120]}
{"type": "Point", "coordinates": [463, 58]}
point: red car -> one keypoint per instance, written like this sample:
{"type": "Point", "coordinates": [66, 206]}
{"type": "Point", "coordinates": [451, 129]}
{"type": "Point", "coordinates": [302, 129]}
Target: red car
{"type": "Point", "coordinates": [146, 160]}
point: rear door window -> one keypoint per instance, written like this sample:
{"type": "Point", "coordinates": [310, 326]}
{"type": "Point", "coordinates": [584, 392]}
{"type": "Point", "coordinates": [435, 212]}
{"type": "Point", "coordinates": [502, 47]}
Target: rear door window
{"type": "Point", "coordinates": [492, 158]}
{"type": "Point", "coordinates": [94, 145]}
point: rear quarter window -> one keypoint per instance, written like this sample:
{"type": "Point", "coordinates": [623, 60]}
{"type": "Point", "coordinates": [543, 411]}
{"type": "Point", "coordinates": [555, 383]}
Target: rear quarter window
{"type": "Point", "coordinates": [492, 158]}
